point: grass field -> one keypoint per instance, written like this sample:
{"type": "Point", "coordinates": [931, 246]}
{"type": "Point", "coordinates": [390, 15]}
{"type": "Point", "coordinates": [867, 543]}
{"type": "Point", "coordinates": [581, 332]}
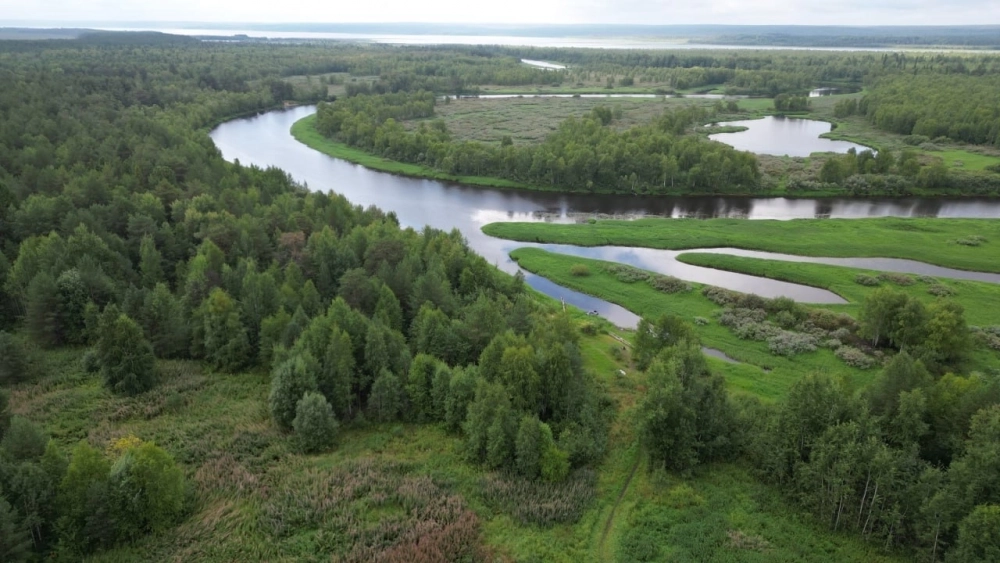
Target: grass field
{"type": "Point", "coordinates": [926, 240]}
{"type": "Point", "coordinates": [530, 120]}
{"type": "Point", "coordinates": [763, 374]}
{"type": "Point", "coordinates": [255, 498]}
{"type": "Point", "coordinates": [981, 300]}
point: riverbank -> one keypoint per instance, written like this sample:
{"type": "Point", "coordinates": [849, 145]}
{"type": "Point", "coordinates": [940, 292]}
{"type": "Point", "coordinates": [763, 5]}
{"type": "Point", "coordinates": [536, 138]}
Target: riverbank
{"type": "Point", "coordinates": [305, 132]}
{"type": "Point", "coordinates": [981, 300]}
{"type": "Point", "coordinates": [760, 373]}
{"type": "Point", "coordinates": [962, 244]}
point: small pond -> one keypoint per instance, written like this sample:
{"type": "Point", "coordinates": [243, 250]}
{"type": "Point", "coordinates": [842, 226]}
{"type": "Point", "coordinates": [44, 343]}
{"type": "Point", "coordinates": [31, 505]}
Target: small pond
{"type": "Point", "coordinates": [783, 136]}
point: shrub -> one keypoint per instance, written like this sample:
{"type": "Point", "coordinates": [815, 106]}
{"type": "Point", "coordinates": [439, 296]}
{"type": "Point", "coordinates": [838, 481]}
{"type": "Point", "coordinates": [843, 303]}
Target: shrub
{"type": "Point", "coordinates": [830, 321]}
{"type": "Point", "coordinates": [701, 321]}
{"type": "Point", "coordinates": [866, 280]}
{"type": "Point", "coordinates": [832, 344]}
{"type": "Point", "coordinates": [972, 240]}
{"type": "Point", "coordinates": [898, 279]}
{"type": "Point", "coordinates": [748, 324]}
{"type": "Point", "coordinates": [841, 334]}
{"type": "Point", "coordinates": [939, 290]}
{"type": "Point", "coordinates": [669, 284]}
{"type": "Point", "coordinates": [787, 343]}
{"type": "Point", "coordinates": [24, 440]}
{"type": "Point", "coordinates": [626, 274]}
{"type": "Point", "coordinates": [926, 279]}
{"type": "Point", "coordinates": [590, 329]}
{"type": "Point", "coordinates": [91, 362]}
{"type": "Point", "coordinates": [785, 319]}
{"type": "Point", "coordinates": [146, 490]}
{"type": "Point", "coordinates": [315, 425]}
{"type": "Point", "coordinates": [854, 357]}
{"type": "Point", "coordinates": [579, 270]}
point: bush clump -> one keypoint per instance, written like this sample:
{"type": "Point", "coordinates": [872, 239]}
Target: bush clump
{"type": "Point", "coordinates": [898, 279]}
{"type": "Point", "coordinates": [939, 290]}
{"type": "Point", "coordinates": [315, 425]}
{"type": "Point", "coordinates": [626, 274]}
{"type": "Point", "coordinates": [866, 280]}
{"type": "Point", "coordinates": [972, 240]}
{"type": "Point", "coordinates": [669, 284]}
{"type": "Point", "coordinates": [854, 357]}
{"type": "Point", "coordinates": [579, 270]}
{"type": "Point", "coordinates": [735, 299]}
{"type": "Point", "coordinates": [701, 321]}
{"type": "Point", "coordinates": [748, 324]}
{"type": "Point", "coordinates": [787, 343]}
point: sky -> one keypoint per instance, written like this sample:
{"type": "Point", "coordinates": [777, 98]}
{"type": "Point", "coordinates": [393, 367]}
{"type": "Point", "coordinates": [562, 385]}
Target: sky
{"type": "Point", "coordinates": [776, 12]}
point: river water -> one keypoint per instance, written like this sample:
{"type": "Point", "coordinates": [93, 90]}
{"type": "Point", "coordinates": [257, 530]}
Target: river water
{"type": "Point", "coordinates": [265, 141]}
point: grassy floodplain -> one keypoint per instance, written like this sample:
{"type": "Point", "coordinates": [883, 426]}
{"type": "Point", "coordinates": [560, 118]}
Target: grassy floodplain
{"type": "Point", "coordinates": [247, 499]}
{"type": "Point", "coordinates": [981, 300]}
{"type": "Point", "coordinates": [762, 373]}
{"type": "Point", "coordinates": [935, 241]}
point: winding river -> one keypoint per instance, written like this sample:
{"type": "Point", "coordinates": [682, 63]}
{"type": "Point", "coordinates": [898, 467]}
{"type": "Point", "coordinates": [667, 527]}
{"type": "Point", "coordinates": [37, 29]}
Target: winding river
{"type": "Point", "coordinates": [265, 141]}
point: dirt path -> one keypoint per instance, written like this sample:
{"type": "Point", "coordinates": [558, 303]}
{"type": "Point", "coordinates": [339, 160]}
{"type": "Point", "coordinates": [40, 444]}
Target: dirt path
{"type": "Point", "coordinates": [614, 509]}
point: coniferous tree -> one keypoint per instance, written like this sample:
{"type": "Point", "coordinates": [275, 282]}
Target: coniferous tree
{"type": "Point", "coordinates": [42, 311]}
{"type": "Point", "coordinates": [124, 355]}
{"type": "Point", "coordinates": [150, 263]}
{"type": "Point", "coordinates": [227, 345]}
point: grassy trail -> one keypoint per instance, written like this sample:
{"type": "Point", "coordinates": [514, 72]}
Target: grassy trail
{"type": "Point", "coordinates": [602, 550]}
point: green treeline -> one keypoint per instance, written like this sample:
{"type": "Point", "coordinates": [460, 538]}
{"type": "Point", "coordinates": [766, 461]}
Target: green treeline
{"type": "Point", "coordinates": [583, 155]}
{"type": "Point", "coordinates": [959, 107]}
{"type": "Point", "coordinates": [909, 461]}
{"type": "Point", "coordinates": [755, 73]}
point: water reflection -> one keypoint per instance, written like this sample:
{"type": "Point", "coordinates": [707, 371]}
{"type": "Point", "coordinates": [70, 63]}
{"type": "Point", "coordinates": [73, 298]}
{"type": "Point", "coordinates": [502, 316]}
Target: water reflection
{"type": "Point", "coordinates": [265, 141]}
{"type": "Point", "coordinates": [783, 136]}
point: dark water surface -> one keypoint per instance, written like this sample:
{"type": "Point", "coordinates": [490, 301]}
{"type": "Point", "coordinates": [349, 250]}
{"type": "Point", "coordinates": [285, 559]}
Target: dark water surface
{"type": "Point", "coordinates": [265, 141]}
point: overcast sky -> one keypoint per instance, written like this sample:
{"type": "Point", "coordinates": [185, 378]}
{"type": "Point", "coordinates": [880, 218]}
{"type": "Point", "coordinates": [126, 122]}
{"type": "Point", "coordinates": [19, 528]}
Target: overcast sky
{"type": "Point", "coordinates": [806, 12]}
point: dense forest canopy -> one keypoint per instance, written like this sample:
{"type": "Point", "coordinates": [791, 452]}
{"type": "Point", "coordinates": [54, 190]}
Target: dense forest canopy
{"type": "Point", "coordinates": [132, 248]}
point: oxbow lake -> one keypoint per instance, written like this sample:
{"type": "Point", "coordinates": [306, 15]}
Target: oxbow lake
{"type": "Point", "coordinates": [783, 136]}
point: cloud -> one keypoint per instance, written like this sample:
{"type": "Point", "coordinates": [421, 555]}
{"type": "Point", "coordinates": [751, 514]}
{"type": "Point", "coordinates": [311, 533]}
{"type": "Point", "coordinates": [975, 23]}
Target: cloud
{"type": "Point", "coordinates": [801, 12]}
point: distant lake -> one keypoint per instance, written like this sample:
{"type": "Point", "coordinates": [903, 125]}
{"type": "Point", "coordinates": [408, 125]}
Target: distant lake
{"type": "Point", "coordinates": [543, 64]}
{"type": "Point", "coordinates": [509, 40]}
{"type": "Point", "coordinates": [783, 136]}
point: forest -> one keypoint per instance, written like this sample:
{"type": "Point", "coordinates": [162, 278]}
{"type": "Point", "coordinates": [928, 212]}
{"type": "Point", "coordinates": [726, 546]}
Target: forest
{"type": "Point", "coordinates": [205, 360]}
{"type": "Point", "coordinates": [912, 109]}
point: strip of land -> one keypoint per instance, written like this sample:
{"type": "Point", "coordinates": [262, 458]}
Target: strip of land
{"type": "Point", "coordinates": [963, 244]}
